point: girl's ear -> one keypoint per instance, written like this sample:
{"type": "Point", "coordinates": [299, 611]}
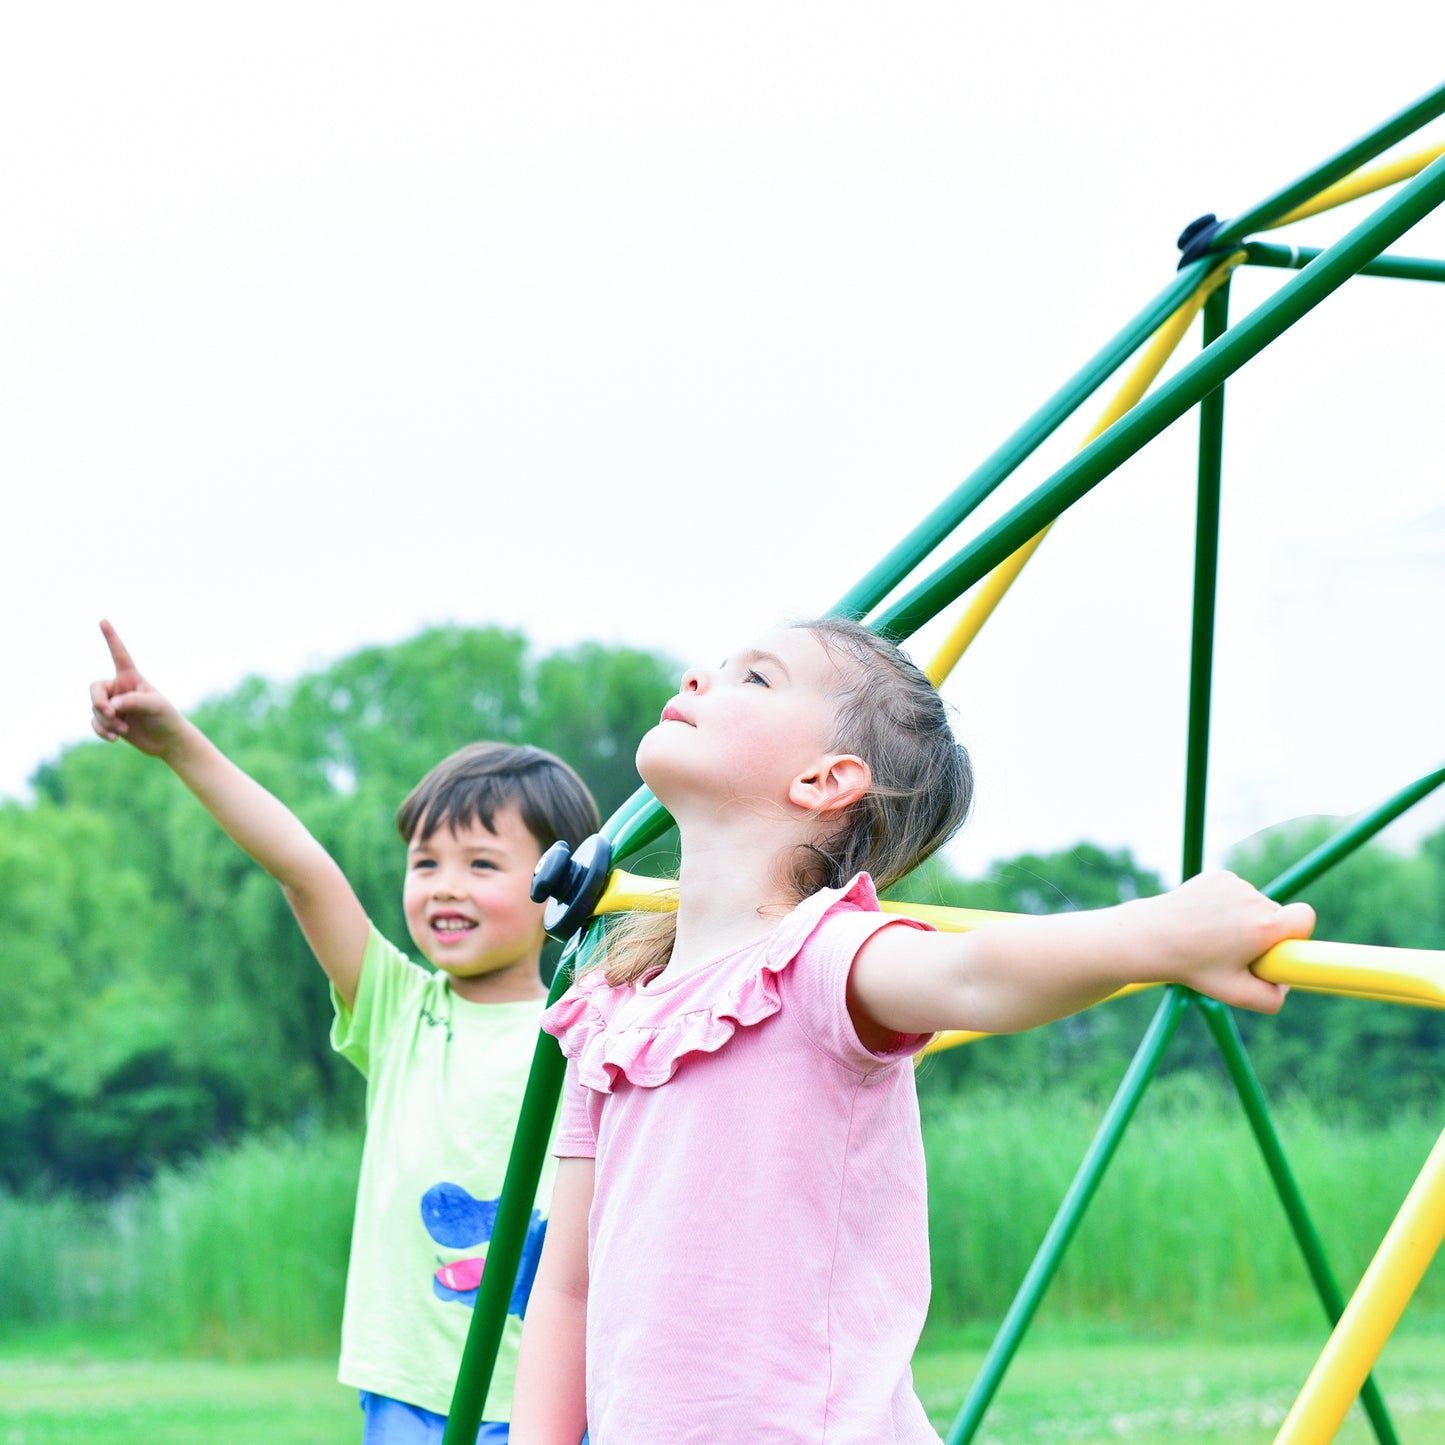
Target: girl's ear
{"type": "Point", "coordinates": [837, 783]}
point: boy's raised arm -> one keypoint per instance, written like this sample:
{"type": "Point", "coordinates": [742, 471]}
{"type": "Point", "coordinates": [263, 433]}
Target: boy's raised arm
{"type": "Point", "coordinates": [329, 912]}
{"type": "Point", "coordinates": [1018, 973]}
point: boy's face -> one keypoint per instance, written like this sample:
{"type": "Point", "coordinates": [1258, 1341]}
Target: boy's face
{"type": "Point", "coordinates": [467, 900]}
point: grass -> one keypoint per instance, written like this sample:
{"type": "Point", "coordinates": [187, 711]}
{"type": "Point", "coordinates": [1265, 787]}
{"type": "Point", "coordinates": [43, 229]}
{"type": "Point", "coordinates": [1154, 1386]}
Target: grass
{"type": "Point", "coordinates": [242, 1254]}
{"type": "Point", "coordinates": [1186, 1231]}
{"type": "Point", "coordinates": [1059, 1390]}
{"type": "Point", "coordinates": [69, 1401]}
{"type": "Point", "coordinates": [1184, 1392]}
{"type": "Point", "coordinates": [206, 1306]}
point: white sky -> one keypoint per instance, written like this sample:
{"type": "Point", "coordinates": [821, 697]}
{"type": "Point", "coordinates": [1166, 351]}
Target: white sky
{"type": "Point", "coordinates": [656, 323]}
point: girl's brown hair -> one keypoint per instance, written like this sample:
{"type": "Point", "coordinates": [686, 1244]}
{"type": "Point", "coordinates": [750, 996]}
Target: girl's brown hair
{"type": "Point", "coordinates": [891, 716]}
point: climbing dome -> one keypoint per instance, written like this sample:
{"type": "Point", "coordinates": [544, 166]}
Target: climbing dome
{"type": "Point", "coordinates": [973, 578]}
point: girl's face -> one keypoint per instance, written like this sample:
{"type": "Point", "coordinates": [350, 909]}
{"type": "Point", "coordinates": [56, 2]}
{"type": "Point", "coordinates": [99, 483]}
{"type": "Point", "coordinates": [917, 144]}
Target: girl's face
{"type": "Point", "coordinates": [743, 731]}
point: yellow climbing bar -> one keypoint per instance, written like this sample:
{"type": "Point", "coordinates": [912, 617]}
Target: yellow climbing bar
{"type": "Point", "coordinates": [1353, 970]}
{"type": "Point", "coordinates": [1413, 976]}
{"type": "Point", "coordinates": [990, 594]}
{"type": "Point", "coordinates": [1375, 1309]}
{"type": "Point", "coordinates": [1362, 183]}
{"type": "Point", "coordinates": [993, 587]}
{"type": "Point", "coordinates": [633, 893]}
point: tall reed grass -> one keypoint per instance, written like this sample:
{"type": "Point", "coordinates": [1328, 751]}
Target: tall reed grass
{"type": "Point", "coordinates": [1186, 1229]}
{"type": "Point", "coordinates": [244, 1254]}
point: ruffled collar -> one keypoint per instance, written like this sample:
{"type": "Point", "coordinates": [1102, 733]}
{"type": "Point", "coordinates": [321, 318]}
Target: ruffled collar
{"type": "Point", "coordinates": [643, 1033]}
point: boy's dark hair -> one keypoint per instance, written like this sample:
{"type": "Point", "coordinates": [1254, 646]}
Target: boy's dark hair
{"type": "Point", "coordinates": [475, 782]}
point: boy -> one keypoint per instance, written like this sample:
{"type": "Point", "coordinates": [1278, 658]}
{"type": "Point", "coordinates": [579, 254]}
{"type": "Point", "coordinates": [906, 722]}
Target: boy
{"type": "Point", "coordinates": [445, 1055]}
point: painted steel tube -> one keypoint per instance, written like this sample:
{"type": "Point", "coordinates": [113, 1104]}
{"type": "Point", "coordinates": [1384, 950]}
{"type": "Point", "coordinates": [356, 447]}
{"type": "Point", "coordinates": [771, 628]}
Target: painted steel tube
{"type": "Point", "coordinates": [1330, 270]}
{"type": "Point", "coordinates": [1332, 850]}
{"type": "Point", "coordinates": [1221, 1024]}
{"type": "Point", "coordinates": [1374, 1310]}
{"type": "Point", "coordinates": [1295, 258]}
{"type": "Point", "coordinates": [1101, 1151]}
{"type": "Point", "coordinates": [1206, 583]}
{"type": "Point", "coordinates": [865, 594]}
{"type": "Point", "coordinates": [509, 1230]}
{"type": "Point", "coordinates": [1361, 183]}
{"type": "Point", "coordinates": [1336, 168]}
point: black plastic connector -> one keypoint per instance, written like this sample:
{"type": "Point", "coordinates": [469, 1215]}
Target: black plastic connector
{"type": "Point", "coordinates": [570, 884]}
{"type": "Point", "coordinates": [1196, 238]}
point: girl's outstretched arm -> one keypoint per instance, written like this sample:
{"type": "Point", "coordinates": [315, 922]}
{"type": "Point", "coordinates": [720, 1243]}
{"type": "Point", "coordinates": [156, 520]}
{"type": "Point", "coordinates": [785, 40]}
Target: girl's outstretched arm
{"type": "Point", "coordinates": [549, 1404]}
{"type": "Point", "coordinates": [1016, 974]}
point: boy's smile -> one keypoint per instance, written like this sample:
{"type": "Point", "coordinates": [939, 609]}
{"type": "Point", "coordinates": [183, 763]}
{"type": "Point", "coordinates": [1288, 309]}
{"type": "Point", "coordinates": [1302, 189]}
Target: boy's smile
{"type": "Point", "coordinates": [467, 900]}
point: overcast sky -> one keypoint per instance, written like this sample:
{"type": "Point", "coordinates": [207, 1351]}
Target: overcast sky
{"type": "Point", "coordinates": [653, 324]}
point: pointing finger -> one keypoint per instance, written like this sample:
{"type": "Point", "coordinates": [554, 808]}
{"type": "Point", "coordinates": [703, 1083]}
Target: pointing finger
{"type": "Point", "coordinates": [119, 655]}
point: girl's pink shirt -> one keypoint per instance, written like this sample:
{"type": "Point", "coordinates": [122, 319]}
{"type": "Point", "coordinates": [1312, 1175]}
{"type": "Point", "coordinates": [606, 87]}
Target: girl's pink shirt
{"type": "Point", "coordinates": [758, 1243]}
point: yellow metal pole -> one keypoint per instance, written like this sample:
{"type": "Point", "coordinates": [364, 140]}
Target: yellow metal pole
{"type": "Point", "coordinates": [1348, 970]}
{"type": "Point", "coordinates": [1362, 183]}
{"type": "Point", "coordinates": [1374, 1311]}
{"type": "Point", "coordinates": [989, 595]}
{"type": "Point", "coordinates": [993, 587]}
{"type": "Point", "coordinates": [1414, 976]}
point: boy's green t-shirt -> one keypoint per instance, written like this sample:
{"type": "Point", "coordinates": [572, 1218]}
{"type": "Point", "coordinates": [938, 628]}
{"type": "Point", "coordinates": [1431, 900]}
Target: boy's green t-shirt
{"type": "Point", "coordinates": [444, 1085]}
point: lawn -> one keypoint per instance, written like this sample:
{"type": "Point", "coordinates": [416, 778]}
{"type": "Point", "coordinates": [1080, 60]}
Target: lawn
{"type": "Point", "coordinates": [1173, 1392]}
{"type": "Point", "coordinates": [1148, 1392]}
{"type": "Point", "coordinates": [76, 1401]}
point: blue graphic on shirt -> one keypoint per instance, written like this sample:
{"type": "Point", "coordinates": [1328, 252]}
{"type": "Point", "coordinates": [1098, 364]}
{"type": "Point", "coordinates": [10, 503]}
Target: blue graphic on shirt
{"type": "Point", "coordinates": [456, 1219]}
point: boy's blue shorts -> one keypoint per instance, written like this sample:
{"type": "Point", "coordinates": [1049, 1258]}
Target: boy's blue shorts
{"type": "Point", "coordinates": [393, 1422]}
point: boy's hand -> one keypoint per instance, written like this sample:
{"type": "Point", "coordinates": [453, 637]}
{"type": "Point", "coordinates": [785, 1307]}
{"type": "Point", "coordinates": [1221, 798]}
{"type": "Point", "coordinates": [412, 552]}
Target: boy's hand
{"type": "Point", "coordinates": [127, 706]}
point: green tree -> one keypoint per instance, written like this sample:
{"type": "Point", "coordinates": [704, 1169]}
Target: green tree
{"type": "Point", "coordinates": [97, 1054]}
{"type": "Point", "coordinates": [593, 704]}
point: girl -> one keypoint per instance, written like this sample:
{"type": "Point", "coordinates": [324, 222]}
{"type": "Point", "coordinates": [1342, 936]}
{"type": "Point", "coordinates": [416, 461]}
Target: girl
{"type": "Point", "coordinates": [737, 1248]}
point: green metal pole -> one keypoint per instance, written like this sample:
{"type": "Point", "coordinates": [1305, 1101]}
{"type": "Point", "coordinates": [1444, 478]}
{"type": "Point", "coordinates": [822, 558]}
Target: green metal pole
{"type": "Point", "coordinates": [865, 594]}
{"type": "Point", "coordinates": [1231, 1046]}
{"type": "Point", "coordinates": [1295, 258]}
{"type": "Point", "coordinates": [870, 590]}
{"type": "Point", "coordinates": [1141, 1069]}
{"type": "Point", "coordinates": [1066, 1221]}
{"type": "Point", "coordinates": [509, 1231]}
{"type": "Point", "coordinates": [1142, 423]}
{"type": "Point", "coordinates": [638, 822]}
{"type": "Point", "coordinates": [1336, 168]}
{"type": "Point", "coordinates": [644, 826]}
{"type": "Point", "coordinates": [624, 815]}
{"type": "Point", "coordinates": [1332, 850]}
{"type": "Point", "coordinates": [1206, 580]}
